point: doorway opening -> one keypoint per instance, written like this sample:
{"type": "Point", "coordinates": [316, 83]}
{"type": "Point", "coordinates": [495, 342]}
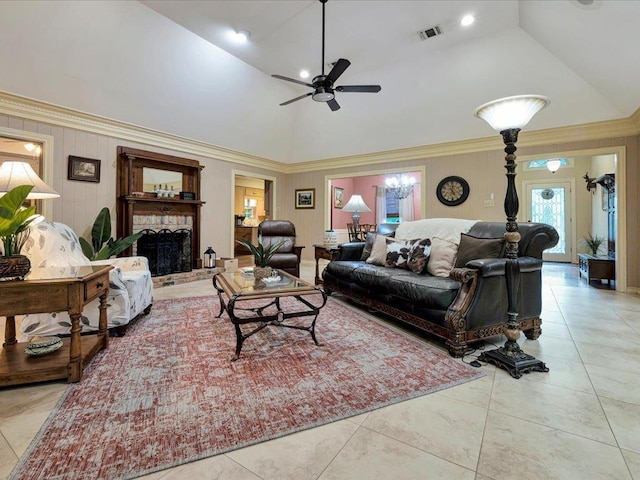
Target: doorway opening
{"type": "Point", "coordinates": [552, 203]}
{"type": "Point", "coordinates": [587, 212]}
{"type": "Point", "coordinates": [253, 202]}
{"type": "Point", "coordinates": [371, 187]}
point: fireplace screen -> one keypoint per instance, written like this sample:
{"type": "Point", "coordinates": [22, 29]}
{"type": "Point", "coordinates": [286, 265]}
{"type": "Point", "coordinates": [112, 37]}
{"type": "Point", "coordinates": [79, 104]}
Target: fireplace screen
{"type": "Point", "coordinates": [167, 251]}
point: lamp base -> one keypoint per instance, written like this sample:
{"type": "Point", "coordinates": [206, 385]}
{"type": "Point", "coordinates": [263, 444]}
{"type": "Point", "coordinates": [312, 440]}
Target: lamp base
{"type": "Point", "coordinates": [516, 363]}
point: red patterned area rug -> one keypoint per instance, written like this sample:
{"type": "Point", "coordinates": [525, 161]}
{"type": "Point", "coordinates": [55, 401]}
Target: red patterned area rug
{"type": "Point", "coordinates": [167, 392]}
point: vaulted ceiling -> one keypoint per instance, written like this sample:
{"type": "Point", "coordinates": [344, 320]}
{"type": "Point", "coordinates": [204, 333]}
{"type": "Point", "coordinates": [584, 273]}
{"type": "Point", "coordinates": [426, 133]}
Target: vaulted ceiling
{"type": "Point", "coordinates": [581, 53]}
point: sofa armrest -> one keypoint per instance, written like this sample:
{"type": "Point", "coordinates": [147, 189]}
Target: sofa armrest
{"type": "Point", "coordinates": [298, 250]}
{"type": "Point", "coordinates": [350, 251]}
{"type": "Point", "coordinates": [494, 267]}
{"type": "Point", "coordinates": [125, 263]}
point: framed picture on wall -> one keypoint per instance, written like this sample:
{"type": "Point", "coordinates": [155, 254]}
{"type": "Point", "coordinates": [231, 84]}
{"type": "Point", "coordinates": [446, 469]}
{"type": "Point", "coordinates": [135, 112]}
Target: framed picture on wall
{"type": "Point", "coordinates": [338, 197]}
{"type": "Point", "coordinates": [306, 198]}
{"type": "Point", "coordinates": [83, 169]}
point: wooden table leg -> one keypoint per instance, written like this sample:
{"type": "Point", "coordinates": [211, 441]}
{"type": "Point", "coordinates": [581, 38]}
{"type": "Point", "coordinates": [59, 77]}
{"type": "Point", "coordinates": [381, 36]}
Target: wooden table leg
{"type": "Point", "coordinates": [75, 360]}
{"type": "Point", "coordinates": [10, 331]}
{"type": "Point", "coordinates": [102, 322]}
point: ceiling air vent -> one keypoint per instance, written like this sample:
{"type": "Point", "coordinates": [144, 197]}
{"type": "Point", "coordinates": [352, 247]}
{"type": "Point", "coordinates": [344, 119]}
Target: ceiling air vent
{"type": "Point", "coordinates": [430, 32]}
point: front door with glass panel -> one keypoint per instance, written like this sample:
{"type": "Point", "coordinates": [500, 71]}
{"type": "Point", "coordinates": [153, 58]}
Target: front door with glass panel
{"type": "Point", "coordinates": [550, 202]}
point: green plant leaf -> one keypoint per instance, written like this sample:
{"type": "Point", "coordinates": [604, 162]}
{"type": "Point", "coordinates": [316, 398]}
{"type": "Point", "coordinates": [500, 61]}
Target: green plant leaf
{"type": "Point", "coordinates": [103, 254]}
{"type": "Point", "coordinates": [259, 253]}
{"type": "Point", "coordinates": [87, 249]}
{"type": "Point", "coordinates": [121, 244]}
{"type": "Point", "coordinates": [11, 206]}
{"type": "Point", "coordinates": [101, 230]}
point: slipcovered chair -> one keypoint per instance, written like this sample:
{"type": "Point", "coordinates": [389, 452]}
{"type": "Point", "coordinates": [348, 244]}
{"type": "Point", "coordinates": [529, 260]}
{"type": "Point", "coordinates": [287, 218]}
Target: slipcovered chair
{"type": "Point", "coordinates": [130, 286]}
{"type": "Point", "coordinates": [287, 257]}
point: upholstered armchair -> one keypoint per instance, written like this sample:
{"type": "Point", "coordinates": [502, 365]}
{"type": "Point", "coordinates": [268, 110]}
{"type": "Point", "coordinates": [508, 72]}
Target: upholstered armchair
{"type": "Point", "coordinates": [130, 286]}
{"type": "Point", "coordinates": [287, 257]}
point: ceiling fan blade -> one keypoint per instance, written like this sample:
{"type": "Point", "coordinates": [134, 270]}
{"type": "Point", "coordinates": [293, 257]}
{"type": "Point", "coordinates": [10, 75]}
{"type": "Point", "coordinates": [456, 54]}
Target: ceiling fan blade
{"type": "Point", "coordinates": [338, 69]}
{"type": "Point", "coordinates": [333, 105]}
{"type": "Point", "coordinates": [296, 99]}
{"type": "Point", "coordinates": [359, 88]}
{"type": "Point", "coordinates": [292, 80]}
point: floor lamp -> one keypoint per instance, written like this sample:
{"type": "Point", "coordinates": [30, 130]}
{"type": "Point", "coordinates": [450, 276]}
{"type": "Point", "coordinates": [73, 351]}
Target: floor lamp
{"type": "Point", "coordinates": [508, 116]}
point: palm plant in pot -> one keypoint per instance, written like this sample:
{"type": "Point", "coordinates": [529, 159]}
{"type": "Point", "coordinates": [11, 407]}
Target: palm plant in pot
{"type": "Point", "coordinates": [15, 220]}
{"type": "Point", "coordinates": [593, 243]}
{"type": "Point", "coordinates": [261, 256]}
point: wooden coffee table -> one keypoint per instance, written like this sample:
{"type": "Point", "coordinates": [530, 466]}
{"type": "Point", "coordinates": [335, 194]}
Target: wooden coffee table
{"type": "Point", "coordinates": [247, 300]}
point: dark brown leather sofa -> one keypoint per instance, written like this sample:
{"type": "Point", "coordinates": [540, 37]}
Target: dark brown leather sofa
{"type": "Point", "coordinates": [467, 306]}
{"type": "Point", "coordinates": [287, 257]}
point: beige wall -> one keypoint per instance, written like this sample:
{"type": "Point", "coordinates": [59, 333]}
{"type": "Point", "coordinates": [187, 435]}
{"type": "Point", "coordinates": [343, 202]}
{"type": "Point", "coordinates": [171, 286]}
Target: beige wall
{"type": "Point", "coordinates": [485, 173]}
{"type": "Point", "coordinates": [80, 202]}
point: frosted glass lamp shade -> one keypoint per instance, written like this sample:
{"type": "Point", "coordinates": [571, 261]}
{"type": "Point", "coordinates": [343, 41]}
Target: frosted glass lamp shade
{"type": "Point", "coordinates": [13, 174]}
{"type": "Point", "coordinates": [356, 204]}
{"type": "Point", "coordinates": [511, 112]}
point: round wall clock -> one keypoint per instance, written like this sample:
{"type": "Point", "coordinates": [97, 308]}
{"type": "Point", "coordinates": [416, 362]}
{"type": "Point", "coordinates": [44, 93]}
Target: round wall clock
{"type": "Point", "coordinates": [452, 191]}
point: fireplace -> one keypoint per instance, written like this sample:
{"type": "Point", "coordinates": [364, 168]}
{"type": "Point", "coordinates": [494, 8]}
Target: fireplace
{"type": "Point", "coordinates": [139, 208]}
{"type": "Point", "coordinates": [167, 251]}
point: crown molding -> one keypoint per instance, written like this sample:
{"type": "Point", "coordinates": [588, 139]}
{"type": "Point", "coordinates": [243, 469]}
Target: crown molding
{"type": "Point", "coordinates": [35, 110]}
{"type": "Point", "coordinates": [550, 136]}
{"type": "Point", "coordinates": [635, 120]}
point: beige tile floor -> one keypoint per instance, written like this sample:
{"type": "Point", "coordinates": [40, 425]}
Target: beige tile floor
{"type": "Point", "coordinates": [579, 421]}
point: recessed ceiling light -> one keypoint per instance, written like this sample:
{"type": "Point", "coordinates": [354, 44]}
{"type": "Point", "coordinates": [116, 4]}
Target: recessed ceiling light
{"type": "Point", "coordinates": [467, 20]}
{"type": "Point", "coordinates": [304, 73]}
{"type": "Point", "coordinates": [239, 36]}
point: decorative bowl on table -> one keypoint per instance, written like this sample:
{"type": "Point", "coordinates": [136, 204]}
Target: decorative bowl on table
{"type": "Point", "coordinates": [42, 345]}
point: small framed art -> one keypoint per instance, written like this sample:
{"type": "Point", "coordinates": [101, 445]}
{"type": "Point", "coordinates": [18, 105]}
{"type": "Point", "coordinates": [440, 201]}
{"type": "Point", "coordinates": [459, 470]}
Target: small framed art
{"type": "Point", "coordinates": [306, 198]}
{"type": "Point", "coordinates": [83, 169]}
{"type": "Point", "coordinates": [338, 197]}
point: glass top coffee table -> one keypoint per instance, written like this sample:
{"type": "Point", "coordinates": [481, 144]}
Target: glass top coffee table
{"type": "Point", "coordinates": [267, 302]}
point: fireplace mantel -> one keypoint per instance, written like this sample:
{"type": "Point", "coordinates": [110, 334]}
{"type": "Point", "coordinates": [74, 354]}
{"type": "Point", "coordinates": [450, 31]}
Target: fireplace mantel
{"type": "Point", "coordinates": [130, 167]}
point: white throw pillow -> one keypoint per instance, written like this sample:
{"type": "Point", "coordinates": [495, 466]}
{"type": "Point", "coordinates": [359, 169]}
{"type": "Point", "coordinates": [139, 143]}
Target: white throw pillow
{"type": "Point", "coordinates": [442, 258]}
{"type": "Point", "coordinates": [379, 251]}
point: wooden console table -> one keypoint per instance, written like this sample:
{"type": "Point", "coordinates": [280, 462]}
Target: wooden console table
{"type": "Point", "coordinates": [328, 254]}
{"type": "Point", "coordinates": [597, 266]}
{"type": "Point", "coordinates": [53, 289]}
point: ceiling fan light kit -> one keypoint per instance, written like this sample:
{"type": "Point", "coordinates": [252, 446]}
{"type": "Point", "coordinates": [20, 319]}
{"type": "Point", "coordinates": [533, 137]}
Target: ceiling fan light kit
{"type": "Point", "coordinates": [323, 89]}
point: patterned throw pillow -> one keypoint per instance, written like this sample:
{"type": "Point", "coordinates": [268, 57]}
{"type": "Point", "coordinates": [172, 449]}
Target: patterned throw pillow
{"type": "Point", "coordinates": [419, 255]}
{"type": "Point", "coordinates": [410, 254]}
{"type": "Point", "coordinates": [398, 253]}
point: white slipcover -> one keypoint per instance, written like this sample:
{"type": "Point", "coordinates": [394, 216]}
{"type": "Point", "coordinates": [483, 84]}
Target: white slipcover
{"type": "Point", "coordinates": [53, 244]}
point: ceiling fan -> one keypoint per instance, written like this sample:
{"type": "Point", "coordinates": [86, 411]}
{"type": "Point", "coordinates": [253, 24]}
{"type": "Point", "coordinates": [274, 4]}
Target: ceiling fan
{"type": "Point", "coordinates": [323, 89]}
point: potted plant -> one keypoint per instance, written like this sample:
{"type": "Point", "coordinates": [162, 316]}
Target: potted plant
{"type": "Point", "coordinates": [593, 243]}
{"type": "Point", "coordinates": [101, 233]}
{"type": "Point", "coordinates": [15, 220]}
{"type": "Point", "coordinates": [261, 256]}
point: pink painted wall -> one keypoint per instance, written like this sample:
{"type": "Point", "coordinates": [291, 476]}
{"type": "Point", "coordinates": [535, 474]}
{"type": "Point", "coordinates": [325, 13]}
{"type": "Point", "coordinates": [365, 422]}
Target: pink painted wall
{"type": "Point", "coordinates": [365, 186]}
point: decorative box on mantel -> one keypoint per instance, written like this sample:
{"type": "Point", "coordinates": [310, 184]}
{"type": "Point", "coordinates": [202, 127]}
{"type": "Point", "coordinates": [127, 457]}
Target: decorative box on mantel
{"type": "Point", "coordinates": [130, 169]}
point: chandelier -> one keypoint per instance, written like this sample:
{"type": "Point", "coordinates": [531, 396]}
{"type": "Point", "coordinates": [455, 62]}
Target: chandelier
{"type": "Point", "coordinates": [402, 187]}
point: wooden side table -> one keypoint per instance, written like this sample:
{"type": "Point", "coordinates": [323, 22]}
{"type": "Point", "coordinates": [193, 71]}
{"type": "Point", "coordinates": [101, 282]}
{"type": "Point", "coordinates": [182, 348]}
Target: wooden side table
{"type": "Point", "coordinates": [327, 254]}
{"type": "Point", "coordinates": [597, 266]}
{"type": "Point", "coordinates": [42, 292]}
